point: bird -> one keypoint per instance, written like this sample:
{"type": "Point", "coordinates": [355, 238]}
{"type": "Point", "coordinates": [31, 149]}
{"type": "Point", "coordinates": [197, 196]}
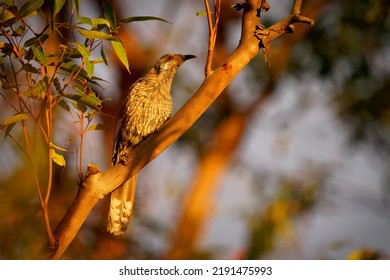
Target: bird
{"type": "Point", "coordinates": [146, 107]}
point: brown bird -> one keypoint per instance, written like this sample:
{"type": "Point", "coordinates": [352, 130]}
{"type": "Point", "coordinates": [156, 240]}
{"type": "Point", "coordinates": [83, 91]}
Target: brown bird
{"type": "Point", "coordinates": [146, 107]}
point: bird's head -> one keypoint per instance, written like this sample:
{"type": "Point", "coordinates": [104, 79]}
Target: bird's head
{"type": "Point", "coordinates": [168, 64]}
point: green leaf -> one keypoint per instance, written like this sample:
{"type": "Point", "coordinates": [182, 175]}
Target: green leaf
{"type": "Point", "coordinates": [57, 158]}
{"type": "Point", "coordinates": [56, 6]}
{"type": "Point", "coordinates": [83, 50]}
{"type": "Point", "coordinates": [109, 14]}
{"type": "Point", "coordinates": [96, 126]}
{"type": "Point", "coordinates": [29, 55]}
{"type": "Point", "coordinates": [72, 68]}
{"type": "Point", "coordinates": [7, 17]}
{"type": "Point", "coordinates": [5, 84]}
{"type": "Point", "coordinates": [62, 103]}
{"type": "Point", "coordinates": [85, 96]}
{"type": "Point", "coordinates": [80, 107]}
{"type": "Point", "coordinates": [94, 21]}
{"type": "Point", "coordinates": [85, 20]}
{"type": "Point", "coordinates": [89, 67]}
{"type": "Point", "coordinates": [90, 115]}
{"type": "Point", "coordinates": [120, 52]}
{"type": "Point", "coordinates": [38, 91]}
{"type": "Point", "coordinates": [19, 31]}
{"type": "Point", "coordinates": [6, 48]}
{"type": "Point", "coordinates": [97, 61]}
{"type": "Point", "coordinates": [76, 5]}
{"type": "Point", "coordinates": [103, 55]}
{"type": "Point", "coordinates": [87, 100]}
{"type": "Point", "coordinates": [142, 18]}
{"type": "Point", "coordinates": [14, 119]}
{"type": "Point", "coordinates": [9, 2]}
{"type": "Point", "coordinates": [39, 55]}
{"type": "Point", "coordinates": [57, 85]}
{"type": "Point", "coordinates": [29, 68]}
{"type": "Point", "coordinates": [93, 34]}
{"type": "Point", "coordinates": [52, 145]}
{"type": "Point", "coordinates": [30, 8]}
{"type": "Point", "coordinates": [8, 129]}
{"type": "Point", "coordinates": [97, 21]}
{"type": "Point", "coordinates": [201, 13]}
{"type": "Point", "coordinates": [80, 89]}
{"type": "Point", "coordinates": [35, 40]}
{"type": "Point", "coordinates": [11, 122]}
{"type": "Point", "coordinates": [85, 54]}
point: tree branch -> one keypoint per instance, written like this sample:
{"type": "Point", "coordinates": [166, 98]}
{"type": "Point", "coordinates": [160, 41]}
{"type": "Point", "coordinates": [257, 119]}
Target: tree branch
{"type": "Point", "coordinates": [213, 27]}
{"type": "Point", "coordinates": [97, 184]}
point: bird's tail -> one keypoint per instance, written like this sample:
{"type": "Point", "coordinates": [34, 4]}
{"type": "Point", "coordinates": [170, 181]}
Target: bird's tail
{"type": "Point", "coordinates": [121, 207]}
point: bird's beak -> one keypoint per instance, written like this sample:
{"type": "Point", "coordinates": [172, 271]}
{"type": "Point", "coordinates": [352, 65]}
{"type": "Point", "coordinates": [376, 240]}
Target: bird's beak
{"type": "Point", "coordinates": [188, 56]}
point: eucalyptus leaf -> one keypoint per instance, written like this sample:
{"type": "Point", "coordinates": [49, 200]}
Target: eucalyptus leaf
{"type": "Point", "coordinates": [41, 38]}
{"type": "Point", "coordinates": [85, 54]}
{"type": "Point", "coordinates": [85, 100]}
{"type": "Point", "coordinates": [56, 6]}
{"type": "Point", "coordinates": [109, 14]}
{"type": "Point", "coordinates": [29, 68]}
{"type": "Point", "coordinates": [29, 8]}
{"type": "Point", "coordinates": [85, 20]}
{"type": "Point", "coordinates": [57, 158]}
{"type": "Point", "coordinates": [38, 91]}
{"type": "Point", "coordinates": [14, 119]}
{"type": "Point", "coordinates": [103, 55]}
{"type": "Point", "coordinates": [96, 126]}
{"type": "Point", "coordinates": [76, 5]}
{"type": "Point", "coordinates": [39, 55]}
{"type": "Point", "coordinates": [93, 34]}
{"type": "Point", "coordinates": [142, 18]}
{"type": "Point", "coordinates": [119, 50]}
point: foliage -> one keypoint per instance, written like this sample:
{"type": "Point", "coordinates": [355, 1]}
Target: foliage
{"type": "Point", "coordinates": [38, 80]}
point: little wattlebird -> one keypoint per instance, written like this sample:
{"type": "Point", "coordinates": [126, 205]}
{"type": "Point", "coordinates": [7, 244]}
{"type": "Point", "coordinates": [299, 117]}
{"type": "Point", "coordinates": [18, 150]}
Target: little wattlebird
{"type": "Point", "coordinates": [146, 107]}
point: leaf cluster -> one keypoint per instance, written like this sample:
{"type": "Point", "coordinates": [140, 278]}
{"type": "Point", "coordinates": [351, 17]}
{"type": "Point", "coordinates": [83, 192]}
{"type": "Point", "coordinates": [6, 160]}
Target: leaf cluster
{"type": "Point", "coordinates": [47, 64]}
{"type": "Point", "coordinates": [40, 77]}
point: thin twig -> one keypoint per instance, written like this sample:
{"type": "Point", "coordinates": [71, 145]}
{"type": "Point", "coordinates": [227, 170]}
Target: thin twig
{"type": "Point", "coordinates": [81, 133]}
{"type": "Point", "coordinates": [209, 48]}
{"type": "Point", "coordinates": [49, 123]}
{"type": "Point", "coordinates": [213, 27]}
{"type": "Point", "coordinates": [28, 153]}
{"type": "Point", "coordinates": [296, 9]}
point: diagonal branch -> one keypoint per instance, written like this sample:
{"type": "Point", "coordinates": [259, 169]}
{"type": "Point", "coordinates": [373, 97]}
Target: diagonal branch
{"type": "Point", "coordinates": [97, 184]}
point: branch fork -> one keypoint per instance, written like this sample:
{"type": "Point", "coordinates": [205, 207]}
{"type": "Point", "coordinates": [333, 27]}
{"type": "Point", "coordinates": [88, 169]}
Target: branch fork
{"type": "Point", "coordinates": [267, 35]}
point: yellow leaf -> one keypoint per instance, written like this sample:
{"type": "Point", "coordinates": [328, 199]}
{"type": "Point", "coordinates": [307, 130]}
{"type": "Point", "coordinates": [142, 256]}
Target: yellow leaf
{"type": "Point", "coordinates": [57, 158]}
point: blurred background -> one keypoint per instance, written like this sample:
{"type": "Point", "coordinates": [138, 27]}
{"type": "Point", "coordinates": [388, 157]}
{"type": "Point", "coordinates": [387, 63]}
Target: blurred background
{"type": "Point", "coordinates": [291, 162]}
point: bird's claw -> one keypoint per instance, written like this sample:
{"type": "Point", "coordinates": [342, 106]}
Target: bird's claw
{"type": "Point", "coordinates": [123, 158]}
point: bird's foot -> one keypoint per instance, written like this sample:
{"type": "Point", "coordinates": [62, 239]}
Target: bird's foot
{"type": "Point", "coordinates": [123, 158]}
